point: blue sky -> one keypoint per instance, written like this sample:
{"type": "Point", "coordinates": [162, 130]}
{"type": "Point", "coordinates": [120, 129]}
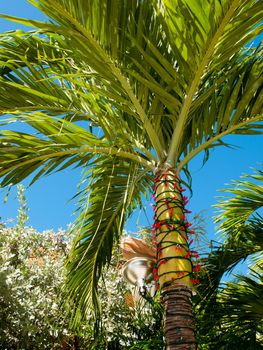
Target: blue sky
{"type": "Point", "coordinates": [48, 199]}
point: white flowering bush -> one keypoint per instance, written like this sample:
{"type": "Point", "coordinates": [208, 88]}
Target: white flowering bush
{"type": "Point", "coordinates": [31, 273]}
{"type": "Point", "coordinates": [33, 315]}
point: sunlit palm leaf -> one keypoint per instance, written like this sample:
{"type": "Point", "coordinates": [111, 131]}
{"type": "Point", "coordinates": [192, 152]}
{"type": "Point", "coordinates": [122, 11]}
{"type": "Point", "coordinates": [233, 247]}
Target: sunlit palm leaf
{"type": "Point", "coordinates": [235, 309]}
{"type": "Point", "coordinates": [49, 78]}
{"type": "Point", "coordinates": [60, 144]}
{"type": "Point", "coordinates": [114, 190]}
{"type": "Point", "coordinates": [242, 233]}
{"type": "Point", "coordinates": [167, 72]}
{"type": "Point", "coordinates": [228, 102]}
{"type": "Point", "coordinates": [243, 199]}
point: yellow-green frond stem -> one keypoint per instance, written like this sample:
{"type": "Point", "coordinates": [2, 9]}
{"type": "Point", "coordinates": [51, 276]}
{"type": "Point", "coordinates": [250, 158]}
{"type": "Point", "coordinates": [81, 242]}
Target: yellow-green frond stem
{"type": "Point", "coordinates": [172, 231]}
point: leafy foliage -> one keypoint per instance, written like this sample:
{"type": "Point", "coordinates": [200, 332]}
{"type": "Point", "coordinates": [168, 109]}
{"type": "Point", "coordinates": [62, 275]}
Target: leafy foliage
{"type": "Point", "coordinates": [228, 317]}
{"type": "Point", "coordinates": [127, 321]}
{"type": "Point", "coordinates": [133, 85]}
{"type": "Point", "coordinates": [33, 313]}
{"type": "Point", "coordinates": [31, 274]}
{"type": "Point", "coordinates": [34, 316]}
{"type": "Point", "coordinates": [230, 314]}
{"type": "Point", "coordinates": [105, 203]}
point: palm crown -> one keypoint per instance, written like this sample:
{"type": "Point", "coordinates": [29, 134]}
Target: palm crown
{"type": "Point", "coordinates": [123, 88]}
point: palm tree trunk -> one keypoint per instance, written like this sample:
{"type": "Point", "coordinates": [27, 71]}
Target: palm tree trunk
{"type": "Point", "coordinates": [174, 266]}
{"type": "Point", "coordinates": [179, 324]}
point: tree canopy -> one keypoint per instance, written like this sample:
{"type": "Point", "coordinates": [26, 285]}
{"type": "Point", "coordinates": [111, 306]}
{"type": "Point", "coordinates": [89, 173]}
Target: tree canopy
{"type": "Point", "coordinates": [124, 89]}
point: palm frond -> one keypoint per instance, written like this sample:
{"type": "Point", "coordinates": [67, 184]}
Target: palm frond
{"type": "Point", "coordinates": [220, 261]}
{"type": "Point", "coordinates": [50, 78]}
{"type": "Point", "coordinates": [244, 297]}
{"type": "Point", "coordinates": [113, 192]}
{"type": "Point", "coordinates": [209, 25]}
{"type": "Point", "coordinates": [87, 45]}
{"type": "Point", "coordinates": [60, 144]}
{"type": "Point", "coordinates": [171, 65]}
{"type": "Point", "coordinates": [235, 319]}
{"type": "Point", "coordinates": [236, 209]}
{"type": "Point", "coordinates": [229, 103]}
{"type": "Point", "coordinates": [242, 231]}
{"type": "Point", "coordinates": [234, 309]}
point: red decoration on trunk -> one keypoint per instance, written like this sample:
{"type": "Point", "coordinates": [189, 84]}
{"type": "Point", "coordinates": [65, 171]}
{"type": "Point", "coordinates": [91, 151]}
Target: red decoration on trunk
{"type": "Point", "coordinates": [187, 255]}
{"type": "Point", "coordinates": [155, 270]}
{"type": "Point", "coordinates": [162, 262]}
{"type": "Point", "coordinates": [178, 226]}
{"type": "Point", "coordinates": [156, 278]}
{"type": "Point", "coordinates": [157, 224]}
{"type": "Point", "coordinates": [196, 268]}
{"type": "Point", "coordinates": [195, 281]}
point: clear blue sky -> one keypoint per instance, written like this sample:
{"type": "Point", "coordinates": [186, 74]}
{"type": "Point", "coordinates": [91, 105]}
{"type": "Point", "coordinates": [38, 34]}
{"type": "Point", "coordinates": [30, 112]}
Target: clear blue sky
{"type": "Point", "coordinates": [48, 198]}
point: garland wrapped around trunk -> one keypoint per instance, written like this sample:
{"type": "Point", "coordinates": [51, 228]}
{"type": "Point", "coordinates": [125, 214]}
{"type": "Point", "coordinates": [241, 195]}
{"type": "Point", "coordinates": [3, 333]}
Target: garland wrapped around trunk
{"type": "Point", "coordinates": [174, 272]}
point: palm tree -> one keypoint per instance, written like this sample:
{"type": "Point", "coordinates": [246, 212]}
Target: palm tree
{"type": "Point", "coordinates": [130, 90]}
{"type": "Point", "coordinates": [231, 313]}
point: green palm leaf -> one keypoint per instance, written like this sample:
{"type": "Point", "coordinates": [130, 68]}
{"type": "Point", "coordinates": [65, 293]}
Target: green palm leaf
{"type": "Point", "coordinates": [240, 226]}
{"type": "Point", "coordinates": [200, 49]}
{"type": "Point", "coordinates": [235, 210]}
{"type": "Point", "coordinates": [59, 145]}
{"type": "Point", "coordinates": [235, 319]}
{"type": "Point", "coordinates": [235, 308]}
{"type": "Point", "coordinates": [114, 190]}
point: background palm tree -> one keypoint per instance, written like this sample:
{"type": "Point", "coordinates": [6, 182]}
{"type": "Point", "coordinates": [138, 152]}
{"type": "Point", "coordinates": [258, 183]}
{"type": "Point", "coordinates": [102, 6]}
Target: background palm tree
{"type": "Point", "coordinates": [131, 91]}
{"type": "Point", "coordinates": [231, 313]}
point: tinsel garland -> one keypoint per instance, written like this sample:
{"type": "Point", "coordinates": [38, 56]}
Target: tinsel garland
{"type": "Point", "coordinates": [181, 226]}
